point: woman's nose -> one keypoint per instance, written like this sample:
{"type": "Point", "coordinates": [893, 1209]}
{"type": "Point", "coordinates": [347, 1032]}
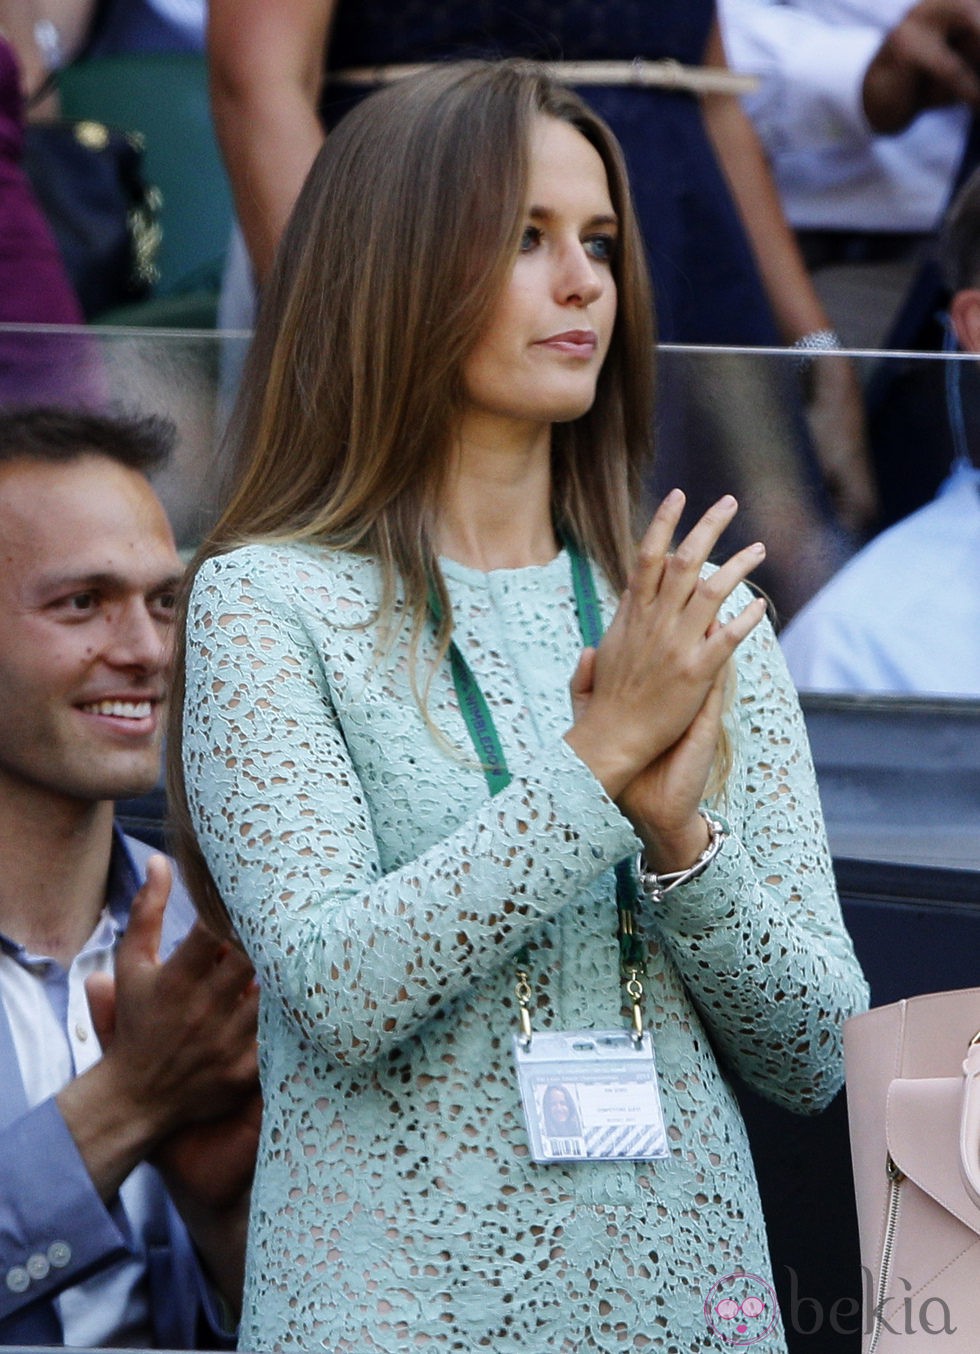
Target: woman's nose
{"type": "Point", "coordinates": [581, 280]}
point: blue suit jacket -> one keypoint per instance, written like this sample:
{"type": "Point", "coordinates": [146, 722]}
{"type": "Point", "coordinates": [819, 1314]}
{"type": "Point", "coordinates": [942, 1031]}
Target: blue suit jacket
{"type": "Point", "coordinates": [54, 1228]}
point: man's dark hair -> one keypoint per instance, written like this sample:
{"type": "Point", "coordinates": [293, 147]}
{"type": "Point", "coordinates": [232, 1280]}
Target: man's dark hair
{"type": "Point", "coordinates": [959, 243]}
{"type": "Point", "coordinates": [50, 433]}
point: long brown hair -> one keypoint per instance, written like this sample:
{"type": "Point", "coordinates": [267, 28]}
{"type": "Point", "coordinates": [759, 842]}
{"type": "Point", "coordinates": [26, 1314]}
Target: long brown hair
{"type": "Point", "coordinates": [390, 268]}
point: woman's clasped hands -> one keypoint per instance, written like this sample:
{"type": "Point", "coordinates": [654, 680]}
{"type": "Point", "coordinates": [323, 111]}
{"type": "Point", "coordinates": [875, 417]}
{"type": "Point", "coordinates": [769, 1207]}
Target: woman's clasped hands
{"type": "Point", "coordinates": [648, 702]}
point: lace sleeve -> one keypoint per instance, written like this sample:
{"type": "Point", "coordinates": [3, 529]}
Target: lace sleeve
{"type": "Point", "coordinates": [759, 938]}
{"type": "Point", "coordinates": [358, 958]}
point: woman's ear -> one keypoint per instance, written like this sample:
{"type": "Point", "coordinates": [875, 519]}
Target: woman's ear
{"type": "Point", "coordinates": [964, 311]}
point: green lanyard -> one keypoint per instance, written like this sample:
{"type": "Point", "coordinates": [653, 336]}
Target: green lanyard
{"type": "Point", "coordinates": [486, 741]}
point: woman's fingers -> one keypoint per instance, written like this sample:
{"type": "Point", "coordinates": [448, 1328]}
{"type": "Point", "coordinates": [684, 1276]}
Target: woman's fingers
{"type": "Point", "coordinates": [654, 548]}
{"type": "Point", "coordinates": [684, 565]}
{"type": "Point", "coordinates": [661, 655]}
{"type": "Point", "coordinates": [712, 590]}
{"type": "Point", "coordinates": [656, 562]}
{"type": "Point", "coordinates": [677, 578]}
{"type": "Point", "coordinates": [727, 637]}
{"type": "Point", "coordinates": [721, 582]}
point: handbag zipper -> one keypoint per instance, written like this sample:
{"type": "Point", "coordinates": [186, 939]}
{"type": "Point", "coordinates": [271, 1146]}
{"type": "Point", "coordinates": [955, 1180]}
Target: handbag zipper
{"type": "Point", "coordinates": [895, 1177]}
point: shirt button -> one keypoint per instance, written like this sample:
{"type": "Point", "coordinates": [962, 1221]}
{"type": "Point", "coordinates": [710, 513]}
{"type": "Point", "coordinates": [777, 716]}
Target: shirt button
{"type": "Point", "coordinates": [59, 1253]}
{"type": "Point", "coordinates": [38, 1267]}
{"type": "Point", "coordinates": [81, 1032]}
{"type": "Point", "coordinates": [18, 1279]}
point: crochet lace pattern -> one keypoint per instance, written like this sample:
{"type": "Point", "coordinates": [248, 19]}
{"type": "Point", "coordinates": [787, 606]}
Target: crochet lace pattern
{"type": "Point", "coordinates": [382, 896]}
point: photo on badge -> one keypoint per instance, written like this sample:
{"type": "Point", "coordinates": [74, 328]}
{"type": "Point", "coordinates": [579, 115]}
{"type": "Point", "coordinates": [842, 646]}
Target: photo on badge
{"type": "Point", "coordinates": [590, 1095]}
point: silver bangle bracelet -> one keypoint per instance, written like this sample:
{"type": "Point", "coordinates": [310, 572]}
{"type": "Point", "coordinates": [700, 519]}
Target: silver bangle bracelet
{"type": "Point", "coordinates": [817, 341]}
{"type": "Point", "coordinates": [656, 886]}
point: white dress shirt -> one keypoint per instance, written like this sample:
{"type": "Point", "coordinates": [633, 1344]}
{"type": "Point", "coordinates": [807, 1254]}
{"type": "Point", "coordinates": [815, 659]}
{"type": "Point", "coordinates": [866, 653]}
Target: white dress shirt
{"type": "Point", "coordinates": [904, 614]}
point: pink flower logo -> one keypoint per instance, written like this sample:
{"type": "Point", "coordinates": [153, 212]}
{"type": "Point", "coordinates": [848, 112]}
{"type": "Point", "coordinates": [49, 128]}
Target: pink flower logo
{"type": "Point", "coordinates": [741, 1309]}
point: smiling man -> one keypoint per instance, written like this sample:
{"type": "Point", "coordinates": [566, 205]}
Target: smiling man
{"type": "Point", "coordinates": [109, 1056]}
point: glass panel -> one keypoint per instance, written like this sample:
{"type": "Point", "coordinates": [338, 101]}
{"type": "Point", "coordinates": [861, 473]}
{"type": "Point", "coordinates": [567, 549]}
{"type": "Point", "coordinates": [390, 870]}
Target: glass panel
{"type": "Point", "coordinates": [906, 615]}
{"type": "Point", "coordinates": [144, 371]}
{"type": "Point", "coordinates": [777, 431]}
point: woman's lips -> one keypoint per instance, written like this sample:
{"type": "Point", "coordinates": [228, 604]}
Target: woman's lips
{"type": "Point", "coordinates": [577, 342]}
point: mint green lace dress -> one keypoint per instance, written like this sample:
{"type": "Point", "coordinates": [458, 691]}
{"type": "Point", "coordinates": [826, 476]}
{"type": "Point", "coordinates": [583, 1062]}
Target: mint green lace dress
{"type": "Point", "coordinates": [383, 895]}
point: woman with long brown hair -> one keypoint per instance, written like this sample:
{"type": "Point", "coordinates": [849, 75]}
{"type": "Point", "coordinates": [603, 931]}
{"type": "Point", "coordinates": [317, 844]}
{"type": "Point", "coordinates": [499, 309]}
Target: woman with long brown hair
{"type": "Point", "coordinates": [475, 779]}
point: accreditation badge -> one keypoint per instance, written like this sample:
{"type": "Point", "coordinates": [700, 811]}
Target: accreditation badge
{"type": "Point", "coordinates": [590, 1095]}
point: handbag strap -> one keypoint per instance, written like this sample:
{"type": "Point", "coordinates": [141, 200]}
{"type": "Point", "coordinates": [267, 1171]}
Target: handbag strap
{"type": "Point", "coordinates": [970, 1121]}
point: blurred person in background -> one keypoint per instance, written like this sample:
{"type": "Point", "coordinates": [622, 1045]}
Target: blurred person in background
{"type": "Point", "coordinates": [34, 286]}
{"type": "Point", "coordinates": [863, 108]}
{"type": "Point", "coordinates": [903, 615]}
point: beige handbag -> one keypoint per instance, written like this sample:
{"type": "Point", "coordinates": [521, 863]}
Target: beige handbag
{"type": "Point", "coordinates": [913, 1095]}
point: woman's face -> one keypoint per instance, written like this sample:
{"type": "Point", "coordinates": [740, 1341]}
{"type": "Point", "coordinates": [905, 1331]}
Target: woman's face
{"type": "Point", "coordinates": [558, 1105]}
{"type": "Point", "coordinates": [540, 356]}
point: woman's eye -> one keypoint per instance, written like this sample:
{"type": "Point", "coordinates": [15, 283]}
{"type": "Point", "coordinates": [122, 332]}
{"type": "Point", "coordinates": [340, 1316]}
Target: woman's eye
{"type": "Point", "coordinates": [601, 247]}
{"type": "Point", "coordinates": [530, 239]}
